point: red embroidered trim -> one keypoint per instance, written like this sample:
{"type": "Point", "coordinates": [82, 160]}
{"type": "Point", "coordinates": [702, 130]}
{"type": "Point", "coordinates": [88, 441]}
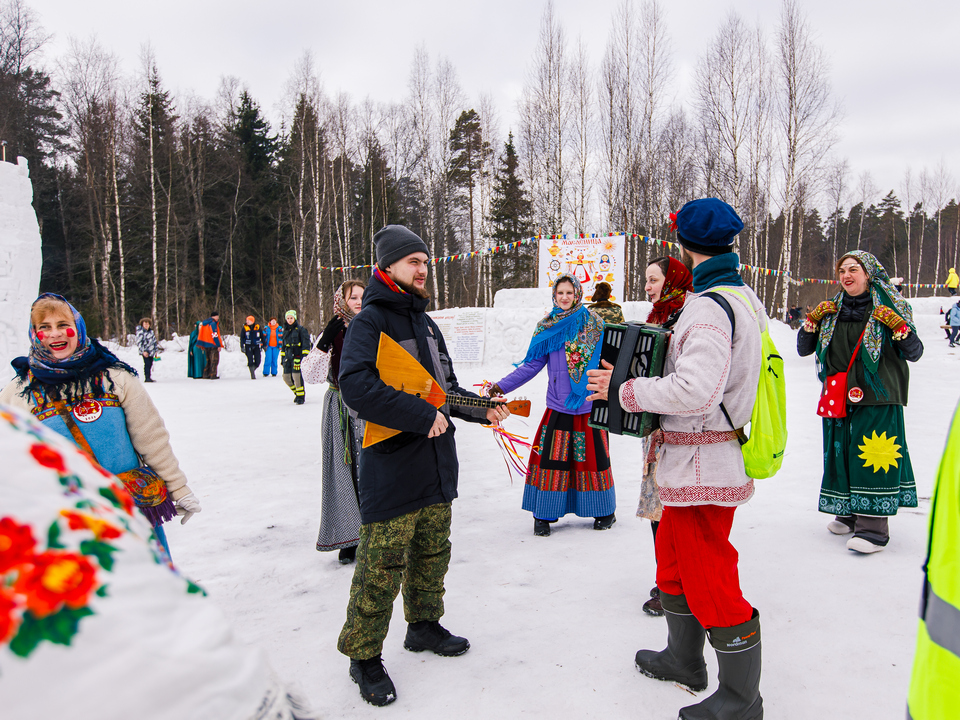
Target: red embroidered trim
{"type": "Point", "coordinates": [706, 495]}
{"type": "Point", "coordinates": [627, 398]}
{"type": "Point", "coordinates": [707, 437]}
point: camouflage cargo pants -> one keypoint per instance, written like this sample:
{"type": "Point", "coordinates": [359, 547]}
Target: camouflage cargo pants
{"type": "Point", "coordinates": [412, 551]}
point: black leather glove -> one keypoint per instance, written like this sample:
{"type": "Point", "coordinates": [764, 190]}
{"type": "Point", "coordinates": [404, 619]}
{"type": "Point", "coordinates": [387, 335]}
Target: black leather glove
{"type": "Point", "coordinates": [329, 333]}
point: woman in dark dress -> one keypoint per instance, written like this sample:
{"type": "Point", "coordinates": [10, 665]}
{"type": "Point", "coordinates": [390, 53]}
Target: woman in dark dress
{"type": "Point", "coordinates": [340, 514]}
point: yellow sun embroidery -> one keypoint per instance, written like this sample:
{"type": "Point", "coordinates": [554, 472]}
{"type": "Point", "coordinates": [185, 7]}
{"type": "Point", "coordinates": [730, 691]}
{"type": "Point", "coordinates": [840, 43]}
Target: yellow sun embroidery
{"type": "Point", "coordinates": [880, 451]}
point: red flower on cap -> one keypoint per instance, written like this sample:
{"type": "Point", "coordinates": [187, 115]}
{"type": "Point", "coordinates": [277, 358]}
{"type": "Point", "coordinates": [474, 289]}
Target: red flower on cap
{"type": "Point", "coordinates": [673, 222]}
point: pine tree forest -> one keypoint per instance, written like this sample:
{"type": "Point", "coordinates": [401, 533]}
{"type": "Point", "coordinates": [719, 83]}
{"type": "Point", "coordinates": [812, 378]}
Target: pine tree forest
{"type": "Point", "coordinates": [163, 206]}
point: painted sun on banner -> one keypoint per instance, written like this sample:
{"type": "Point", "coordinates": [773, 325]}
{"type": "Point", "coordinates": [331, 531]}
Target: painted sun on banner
{"type": "Point", "coordinates": [590, 259]}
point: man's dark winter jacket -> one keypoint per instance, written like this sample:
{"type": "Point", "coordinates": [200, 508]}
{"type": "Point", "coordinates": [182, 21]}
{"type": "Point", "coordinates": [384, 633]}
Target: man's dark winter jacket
{"type": "Point", "coordinates": [408, 471]}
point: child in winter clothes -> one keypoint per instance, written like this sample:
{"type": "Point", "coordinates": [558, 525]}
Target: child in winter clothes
{"type": "Point", "coordinates": [250, 341]}
{"type": "Point", "coordinates": [79, 389]}
{"type": "Point", "coordinates": [147, 345]}
{"type": "Point", "coordinates": [296, 344]}
{"type": "Point", "coordinates": [272, 342]}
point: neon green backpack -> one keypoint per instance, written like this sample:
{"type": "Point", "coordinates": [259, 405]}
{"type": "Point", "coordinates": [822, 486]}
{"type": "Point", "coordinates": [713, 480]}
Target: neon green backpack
{"type": "Point", "coordinates": [763, 449]}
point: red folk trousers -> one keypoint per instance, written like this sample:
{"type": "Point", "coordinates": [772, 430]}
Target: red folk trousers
{"type": "Point", "coordinates": [695, 559]}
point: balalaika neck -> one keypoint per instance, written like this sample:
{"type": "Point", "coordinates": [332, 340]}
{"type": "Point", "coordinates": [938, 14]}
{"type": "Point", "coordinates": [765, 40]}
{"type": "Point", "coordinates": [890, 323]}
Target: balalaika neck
{"type": "Point", "coordinates": [463, 401]}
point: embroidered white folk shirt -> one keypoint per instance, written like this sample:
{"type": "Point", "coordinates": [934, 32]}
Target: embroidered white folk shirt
{"type": "Point", "coordinates": [703, 368]}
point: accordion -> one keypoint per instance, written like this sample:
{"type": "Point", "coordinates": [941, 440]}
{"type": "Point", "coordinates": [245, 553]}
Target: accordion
{"type": "Point", "coordinates": [635, 350]}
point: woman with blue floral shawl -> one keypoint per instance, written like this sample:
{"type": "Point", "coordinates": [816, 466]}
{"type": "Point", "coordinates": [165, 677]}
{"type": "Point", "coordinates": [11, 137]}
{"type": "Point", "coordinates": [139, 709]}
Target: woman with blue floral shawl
{"type": "Point", "coordinates": [867, 474]}
{"type": "Point", "coordinates": [82, 391]}
{"type": "Point", "coordinates": [569, 467]}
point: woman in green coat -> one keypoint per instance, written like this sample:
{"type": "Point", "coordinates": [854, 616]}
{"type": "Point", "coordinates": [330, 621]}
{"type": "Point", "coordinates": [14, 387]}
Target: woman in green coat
{"type": "Point", "coordinates": [867, 474]}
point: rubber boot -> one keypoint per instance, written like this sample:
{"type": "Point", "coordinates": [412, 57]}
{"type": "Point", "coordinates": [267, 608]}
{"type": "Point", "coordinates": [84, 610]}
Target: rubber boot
{"type": "Point", "coordinates": [253, 372]}
{"type": "Point", "coordinates": [738, 654]}
{"type": "Point", "coordinates": [682, 660]}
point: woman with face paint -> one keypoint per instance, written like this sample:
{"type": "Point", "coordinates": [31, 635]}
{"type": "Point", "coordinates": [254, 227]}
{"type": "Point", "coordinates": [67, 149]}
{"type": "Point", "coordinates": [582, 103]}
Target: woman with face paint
{"type": "Point", "coordinates": [569, 468]}
{"type": "Point", "coordinates": [866, 331]}
{"type": "Point", "coordinates": [75, 386]}
{"type": "Point", "coordinates": [340, 514]}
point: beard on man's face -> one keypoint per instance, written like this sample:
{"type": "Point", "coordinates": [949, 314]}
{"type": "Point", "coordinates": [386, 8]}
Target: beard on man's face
{"type": "Point", "coordinates": [420, 292]}
{"type": "Point", "coordinates": [686, 258]}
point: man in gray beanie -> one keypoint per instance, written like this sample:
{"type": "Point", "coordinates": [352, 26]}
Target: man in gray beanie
{"type": "Point", "coordinates": [395, 242]}
{"type": "Point", "coordinates": [407, 483]}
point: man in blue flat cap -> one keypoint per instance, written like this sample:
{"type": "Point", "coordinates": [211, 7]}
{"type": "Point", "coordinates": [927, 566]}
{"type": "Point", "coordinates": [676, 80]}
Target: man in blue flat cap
{"type": "Point", "coordinates": [705, 397]}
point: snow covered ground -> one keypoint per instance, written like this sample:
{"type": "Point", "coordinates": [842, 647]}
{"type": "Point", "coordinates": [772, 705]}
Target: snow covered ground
{"type": "Point", "coordinates": [553, 622]}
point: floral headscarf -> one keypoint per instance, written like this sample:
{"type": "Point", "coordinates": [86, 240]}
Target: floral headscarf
{"type": "Point", "coordinates": [80, 372]}
{"type": "Point", "coordinates": [42, 361]}
{"type": "Point", "coordinates": [578, 331]}
{"type": "Point", "coordinates": [340, 307]}
{"type": "Point", "coordinates": [882, 292]}
{"type": "Point", "coordinates": [676, 284]}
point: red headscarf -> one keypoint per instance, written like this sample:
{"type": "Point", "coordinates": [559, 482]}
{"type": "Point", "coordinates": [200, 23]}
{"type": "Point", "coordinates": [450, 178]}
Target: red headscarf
{"type": "Point", "coordinates": [677, 283]}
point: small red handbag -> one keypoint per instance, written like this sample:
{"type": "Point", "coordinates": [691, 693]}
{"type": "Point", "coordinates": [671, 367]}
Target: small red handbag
{"type": "Point", "coordinates": [833, 398]}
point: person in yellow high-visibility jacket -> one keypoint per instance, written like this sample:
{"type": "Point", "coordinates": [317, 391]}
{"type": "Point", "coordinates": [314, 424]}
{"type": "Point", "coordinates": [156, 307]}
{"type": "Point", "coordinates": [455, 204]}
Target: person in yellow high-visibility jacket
{"type": "Point", "coordinates": [935, 685]}
{"type": "Point", "coordinates": [953, 281]}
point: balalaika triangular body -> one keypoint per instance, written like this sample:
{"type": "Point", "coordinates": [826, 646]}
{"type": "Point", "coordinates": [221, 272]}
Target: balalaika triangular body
{"type": "Point", "coordinates": [401, 371]}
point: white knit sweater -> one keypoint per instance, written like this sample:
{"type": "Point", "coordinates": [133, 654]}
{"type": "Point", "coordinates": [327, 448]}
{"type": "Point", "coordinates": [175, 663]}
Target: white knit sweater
{"type": "Point", "coordinates": [702, 369]}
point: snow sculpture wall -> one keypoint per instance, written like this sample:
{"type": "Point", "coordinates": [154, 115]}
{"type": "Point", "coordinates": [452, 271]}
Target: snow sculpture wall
{"type": "Point", "coordinates": [20, 261]}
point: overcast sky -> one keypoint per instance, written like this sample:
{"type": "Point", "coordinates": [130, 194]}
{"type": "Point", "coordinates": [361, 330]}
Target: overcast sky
{"type": "Point", "coordinates": [894, 65]}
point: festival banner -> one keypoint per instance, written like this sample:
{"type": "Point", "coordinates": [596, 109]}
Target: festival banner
{"type": "Point", "coordinates": [589, 258]}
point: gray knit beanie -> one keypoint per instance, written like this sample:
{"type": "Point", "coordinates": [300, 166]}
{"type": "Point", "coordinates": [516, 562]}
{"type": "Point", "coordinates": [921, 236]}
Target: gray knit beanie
{"type": "Point", "coordinates": [395, 242]}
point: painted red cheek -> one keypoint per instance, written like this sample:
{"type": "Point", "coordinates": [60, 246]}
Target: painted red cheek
{"type": "Point", "coordinates": [39, 334]}
{"type": "Point", "coordinates": [71, 332]}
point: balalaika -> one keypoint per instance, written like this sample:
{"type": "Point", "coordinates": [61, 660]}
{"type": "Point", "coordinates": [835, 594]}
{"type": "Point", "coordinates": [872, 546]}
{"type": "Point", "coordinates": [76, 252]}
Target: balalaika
{"type": "Point", "coordinates": [635, 350]}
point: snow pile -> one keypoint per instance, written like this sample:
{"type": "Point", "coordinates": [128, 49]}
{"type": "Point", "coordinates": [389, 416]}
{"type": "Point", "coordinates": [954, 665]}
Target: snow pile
{"type": "Point", "coordinates": [19, 259]}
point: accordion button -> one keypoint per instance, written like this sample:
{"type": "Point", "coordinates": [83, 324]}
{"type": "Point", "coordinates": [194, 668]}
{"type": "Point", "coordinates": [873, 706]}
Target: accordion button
{"type": "Point", "coordinates": [833, 382]}
{"type": "Point", "coordinates": [831, 402]}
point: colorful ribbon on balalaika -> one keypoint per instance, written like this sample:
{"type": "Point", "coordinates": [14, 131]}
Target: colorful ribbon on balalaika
{"type": "Point", "coordinates": [508, 442]}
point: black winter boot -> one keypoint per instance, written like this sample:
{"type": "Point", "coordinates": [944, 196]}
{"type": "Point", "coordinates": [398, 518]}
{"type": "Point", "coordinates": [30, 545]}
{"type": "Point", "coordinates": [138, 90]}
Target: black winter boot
{"type": "Point", "coordinates": [376, 687]}
{"type": "Point", "coordinates": [682, 660]}
{"type": "Point", "coordinates": [738, 654]}
{"type": "Point", "coordinates": [604, 523]}
{"type": "Point", "coordinates": [431, 635]}
{"type": "Point", "coordinates": [253, 372]}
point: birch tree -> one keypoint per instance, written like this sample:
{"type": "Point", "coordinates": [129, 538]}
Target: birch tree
{"type": "Point", "coordinates": [545, 122]}
{"type": "Point", "coordinates": [90, 78]}
{"type": "Point", "coordinates": [806, 117]}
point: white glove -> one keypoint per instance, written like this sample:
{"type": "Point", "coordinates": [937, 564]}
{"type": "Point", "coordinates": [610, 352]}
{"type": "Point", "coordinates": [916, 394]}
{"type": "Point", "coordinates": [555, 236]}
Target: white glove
{"type": "Point", "coordinates": [187, 506]}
